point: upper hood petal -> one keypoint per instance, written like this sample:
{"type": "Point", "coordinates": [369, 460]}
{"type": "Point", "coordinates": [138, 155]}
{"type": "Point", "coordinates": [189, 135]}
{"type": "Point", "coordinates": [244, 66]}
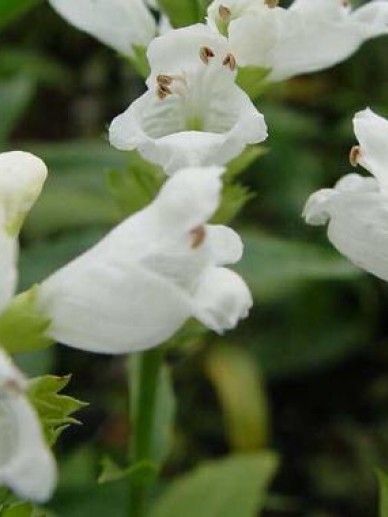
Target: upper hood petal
{"type": "Point", "coordinates": [120, 24]}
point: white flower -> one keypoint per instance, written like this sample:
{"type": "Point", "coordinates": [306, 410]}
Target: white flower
{"type": "Point", "coordinates": [22, 176]}
{"type": "Point", "coordinates": [120, 24]}
{"type": "Point", "coordinates": [310, 35]}
{"type": "Point", "coordinates": [193, 113]}
{"type": "Point", "coordinates": [356, 210]}
{"type": "Point", "coordinates": [27, 465]}
{"type": "Point", "coordinates": [163, 265]}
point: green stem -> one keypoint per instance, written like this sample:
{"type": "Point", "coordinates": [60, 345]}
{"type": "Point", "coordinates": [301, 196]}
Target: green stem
{"type": "Point", "coordinates": [144, 370]}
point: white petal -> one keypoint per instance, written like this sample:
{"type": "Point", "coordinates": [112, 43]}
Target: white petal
{"type": "Point", "coordinates": [222, 299]}
{"type": "Point", "coordinates": [372, 133]}
{"type": "Point", "coordinates": [22, 176]}
{"type": "Point", "coordinates": [313, 41]}
{"type": "Point", "coordinates": [374, 18]}
{"type": "Point", "coordinates": [120, 24]}
{"type": "Point", "coordinates": [178, 51]}
{"type": "Point", "coordinates": [157, 127]}
{"type": "Point", "coordinates": [107, 304]}
{"type": "Point", "coordinates": [358, 228]}
{"type": "Point", "coordinates": [26, 462]}
{"type": "Point", "coordinates": [225, 244]}
{"type": "Point", "coordinates": [309, 36]}
{"type": "Point", "coordinates": [254, 38]}
{"type": "Point", "coordinates": [8, 268]}
{"type": "Point", "coordinates": [319, 206]}
{"type": "Point", "coordinates": [189, 198]}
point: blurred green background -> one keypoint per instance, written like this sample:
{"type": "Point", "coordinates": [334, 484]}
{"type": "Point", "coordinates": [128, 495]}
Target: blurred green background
{"type": "Point", "coordinates": [311, 363]}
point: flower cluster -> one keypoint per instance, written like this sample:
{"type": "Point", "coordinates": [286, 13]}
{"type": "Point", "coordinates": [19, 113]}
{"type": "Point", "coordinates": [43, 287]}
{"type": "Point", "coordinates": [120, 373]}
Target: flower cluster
{"type": "Point", "coordinates": [166, 264]}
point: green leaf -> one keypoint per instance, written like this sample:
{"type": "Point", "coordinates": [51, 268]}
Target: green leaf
{"type": "Point", "coordinates": [15, 96]}
{"type": "Point", "coordinates": [253, 80]}
{"type": "Point", "coordinates": [235, 486]}
{"type": "Point", "coordinates": [139, 60]}
{"type": "Point", "coordinates": [239, 386]}
{"type": "Point", "coordinates": [273, 266]}
{"type": "Point", "coordinates": [137, 186]}
{"type": "Point", "coordinates": [141, 472]}
{"type": "Point", "coordinates": [238, 165]}
{"type": "Point", "coordinates": [23, 326]}
{"type": "Point", "coordinates": [305, 332]}
{"type": "Point", "coordinates": [383, 485]}
{"type": "Point", "coordinates": [54, 409]}
{"type": "Point", "coordinates": [183, 12]}
{"type": "Point", "coordinates": [36, 66]}
{"type": "Point", "coordinates": [234, 198]}
{"type": "Point", "coordinates": [12, 9]}
{"type": "Point", "coordinates": [24, 510]}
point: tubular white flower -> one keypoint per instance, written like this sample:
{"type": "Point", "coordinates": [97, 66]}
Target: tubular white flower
{"type": "Point", "coordinates": [22, 176]}
{"type": "Point", "coordinates": [193, 113]}
{"type": "Point", "coordinates": [310, 35]}
{"type": "Point", "coordinates": [356, 210]}
{"type": "Point", "coordinates": [119, 24]}
{"type": "Point", "coordinates": [27, 465]}
{"type": "Point", "coordinates": [139, 285]}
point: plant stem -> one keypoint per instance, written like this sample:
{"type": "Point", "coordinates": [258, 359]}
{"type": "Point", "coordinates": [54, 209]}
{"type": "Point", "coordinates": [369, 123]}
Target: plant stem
{"type": "Point", "coordinates": [144, 376]}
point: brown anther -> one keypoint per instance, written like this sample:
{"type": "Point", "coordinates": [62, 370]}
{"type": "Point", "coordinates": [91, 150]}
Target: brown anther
{"type": "Point", "coordinates": [224, 13]}
{"type": "Point", "coordinates": [163, 91]}
{"type": "Point", "coordinates": [271, 3]}
{"type": "Point", "coordinates": [205, 54]}
{"type": "Point", "coordinates": [13, 386]}
{"type": "Point", "coordinates": [345, 3]}
{"type": "Point", "coordinates": [164, 80]}
{"type": "Point", "coordinates": [198, 236]}
{"type": "Point", "coordinates": [354, 155]}
{"type": "Point", "coordinates": [230, 61]}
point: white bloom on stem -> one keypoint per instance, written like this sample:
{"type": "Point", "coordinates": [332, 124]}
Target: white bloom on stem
{"type": "Point", "coordinates": [310, 35]}
{"type": "Point", "coordinates": [119, 24]}
{"type": "Point", "coordinates": [161, 266]}
{"type": "Point", "coordinates": [356, 210]}
{"type": "Point", "coordinates": [22, 176]}
{"type": "Point", "coordinates": [27, 465]}
{"type": "Point", "coordinates": [193, 113]}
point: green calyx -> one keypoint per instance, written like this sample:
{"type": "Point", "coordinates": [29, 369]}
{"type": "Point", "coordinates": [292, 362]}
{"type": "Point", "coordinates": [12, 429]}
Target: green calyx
{"type": "Point", "coordinates": [23, 326]}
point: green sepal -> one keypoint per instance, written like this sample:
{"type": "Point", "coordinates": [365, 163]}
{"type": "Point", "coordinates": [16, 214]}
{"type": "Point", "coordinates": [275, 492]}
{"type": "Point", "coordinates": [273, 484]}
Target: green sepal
{"type": "Point", "coordinates": [135, 187]}
{"type": "Point", "coordinates": [183, 12]}
{"type": "Point", "coordinates": [234, 198]}
{"type": "Point", "coordinates": [23, 326]}
{"type": "Point", "coordinates": [54, 409]}
{"type": "Point", "coordinates": [139, 60]}
{"type": "Point", "coordinates": [142, 472]}
{"type": "Point", "coordinates": [252, 79]}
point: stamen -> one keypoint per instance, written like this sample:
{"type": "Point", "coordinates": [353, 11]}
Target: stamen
{"type": "Point", "coordinates": [198, 236]}
{"type": "Point", "coordinates": [230, 61]}
{"type": "Point", "coordinates": [164, 80]}
{"type": "Point", "coordinates": [224, 13]}
{"type": "Point", "coordinates": [271, 3]}
{"type": "Point", "coordinates": [354, 155]}
{"type": "Point", "coordinates": [205, 54]}
{"type": "Point", "coordinates": [13, 385]}
{"type": "Point", "coordinates": [163, 91]}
